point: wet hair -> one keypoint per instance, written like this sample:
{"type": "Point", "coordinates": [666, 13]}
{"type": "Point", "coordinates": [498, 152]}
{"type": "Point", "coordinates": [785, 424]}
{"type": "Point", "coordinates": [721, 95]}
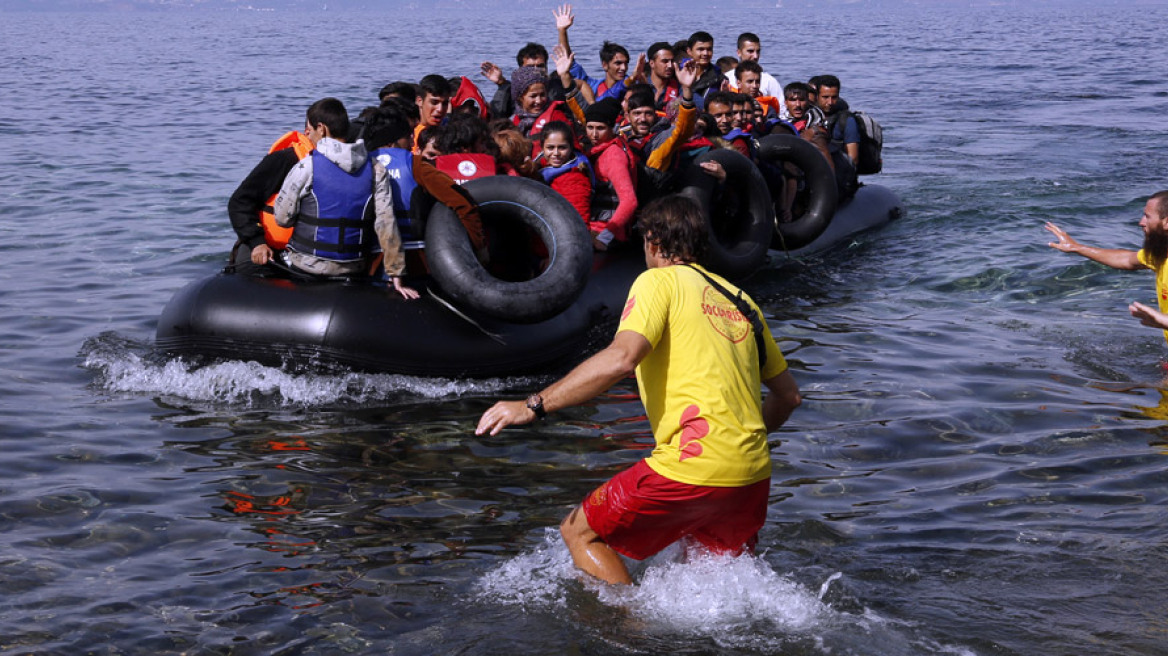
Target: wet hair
{"type": "Point", "coordinates": [797, 90]}
{"type": "Point", "coordinates": [610, 50]}
{"type": "Point", "coordinates": [657, 47]}
{"type": "Point", "coordinates": [720, 98]}
{"type": "Point", "coordinates": [514, 149]}
{"type": "Point", "coordinates": [464, 133]}
{"type": "Point", "coordinates": [700, 37]}
{"type": "Point", "coordinates": [407, 107]}
{"type": "Point", "coordinates": [747, 37]}
{"type": "Point", "coordinates": [331, 112]}
{"type": "Point", "coordinates": [385, 126]}
{"type": "Point", "coordinates": [553, 127]}
{"type": "Point", "coordinates": [827, 81]}
{"type": "Point", "coordinates": [531, 51]}
{"type": "Point", "coordinates": [727, 63]}
{"type": "Point", "coordinates": [747, 67]}
{"type": "Point", "coordinates": [406, 90]}
{"type": "Point", "coordinates": [434, 85]}
{"type": "Point", "coordinates": [676, 226]}
{"type": "Point", "coordinates": [641, 97]}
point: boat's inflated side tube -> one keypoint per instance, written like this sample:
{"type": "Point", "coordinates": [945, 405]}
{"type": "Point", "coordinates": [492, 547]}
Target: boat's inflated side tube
{"type": "Point", "coordinates": [740, 213]}
{"type": "Point", "coordinates": [820, 180]}
{"type": "Point", "coordinates": [517, 200]}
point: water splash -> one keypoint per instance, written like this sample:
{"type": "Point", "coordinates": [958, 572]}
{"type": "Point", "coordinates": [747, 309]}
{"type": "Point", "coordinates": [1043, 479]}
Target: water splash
{"type": "Point", "coordinates": [706, 595]}
{"type": "Point", "coordinates": [122, 365]}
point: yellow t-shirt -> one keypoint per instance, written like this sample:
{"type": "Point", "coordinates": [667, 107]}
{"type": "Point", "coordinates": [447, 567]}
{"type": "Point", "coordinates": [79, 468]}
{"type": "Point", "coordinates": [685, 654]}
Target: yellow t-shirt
{"type": "Point", "coordinates": [701, 382]}
{"type": "Point", "coordinates": [1161, 282]}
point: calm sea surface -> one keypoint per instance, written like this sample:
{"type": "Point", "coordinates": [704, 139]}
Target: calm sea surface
{"type": "Point", "coordinates": [979, 466]}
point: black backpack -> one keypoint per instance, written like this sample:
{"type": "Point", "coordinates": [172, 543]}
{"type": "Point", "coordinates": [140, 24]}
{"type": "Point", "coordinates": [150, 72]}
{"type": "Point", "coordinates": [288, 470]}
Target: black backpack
{"type": "Point", "coordinates": [871, 144]}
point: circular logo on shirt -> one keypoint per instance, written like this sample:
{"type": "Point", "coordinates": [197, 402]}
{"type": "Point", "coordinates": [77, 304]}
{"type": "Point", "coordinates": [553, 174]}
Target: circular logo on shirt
{"type": "Point", "coordinates": [467, 168]}
{"type": "Point", "coordinates": [724, 316]}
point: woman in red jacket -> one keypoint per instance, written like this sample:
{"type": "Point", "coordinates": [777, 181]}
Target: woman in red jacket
{"type": "Point", "coordinates": [567, 171]}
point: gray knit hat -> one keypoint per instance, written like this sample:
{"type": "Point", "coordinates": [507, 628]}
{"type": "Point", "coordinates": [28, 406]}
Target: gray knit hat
{"type": "Point", "coordinates": [523, 78]}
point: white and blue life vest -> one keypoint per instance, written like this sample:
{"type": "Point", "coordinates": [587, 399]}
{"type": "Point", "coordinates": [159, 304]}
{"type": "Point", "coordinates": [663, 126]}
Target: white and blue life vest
{"type": "Point", "coordinates": [399, 164]}
{"type": "Point", "coordinates": [336, 219]}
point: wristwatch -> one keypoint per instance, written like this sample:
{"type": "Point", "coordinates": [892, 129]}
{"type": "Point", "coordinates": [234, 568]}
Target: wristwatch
{"type": "Point", "coordinates": [535, 404]}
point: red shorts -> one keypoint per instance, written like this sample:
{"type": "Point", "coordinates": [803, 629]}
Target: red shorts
{"type": "Point", "coordinates": [640, 512]}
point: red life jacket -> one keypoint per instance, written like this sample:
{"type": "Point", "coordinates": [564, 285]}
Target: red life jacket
{"type": "Point", "coordinates": [552, 113]}
{"type": "Point", "coordinates": [462, 167]}
{"type": "Point", "coordinates": [276, 235]}
{"type": "Point", "coordinates": [468, 92]}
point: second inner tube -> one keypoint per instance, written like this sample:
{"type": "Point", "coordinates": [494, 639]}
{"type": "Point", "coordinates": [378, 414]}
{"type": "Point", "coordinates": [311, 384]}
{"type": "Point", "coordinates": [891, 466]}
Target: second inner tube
{"type": "Point", "coordinates": [820, 179]}
{"type": "Point", "coordinates": [506, 201]}
{"type": "Point", "coordinates": [740, 212]}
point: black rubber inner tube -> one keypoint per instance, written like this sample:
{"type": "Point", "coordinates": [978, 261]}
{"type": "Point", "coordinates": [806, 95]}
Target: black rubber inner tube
{"type": "Point", "coordinates": [740, 213]}
{"type": "Point", "coordinates": [821, 190]}
{"type": "Point", "coordinates": [512, 209]}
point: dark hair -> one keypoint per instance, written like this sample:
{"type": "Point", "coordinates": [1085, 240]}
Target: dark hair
{"type": "Point", "coordinates": [657, 47]}
{"type": "Point", "coordinates": [747, 37]}
{"type": "Point", "coordinates": [828, 81]}
{"type": "Point", "coordinates": [427, 135]}
{"type": "Point", "coordinates": [719, 98]}
{"type": "Point", "coordinates": [681, 49]}
{"type": "Point", "coordinates": [331, 112]}
{"type": "Point", "coordinates": [700, 37]}
{"type": "Point", "coordinates": [813, 83]}
{"type": "Point", "coordinates": [747, 67]}
{"type": "Point", "coordinates": [796, 90]}
{"type": "Point", "coordinates": [407, 107]}
{"type": "Point", "coordinates": [384, 126]}
{"type": "Point", "coordinates": [727, 63]}
{"type": "Point", "coordinates": [676, 226]}
{"type": "Point", "coordinates": [610, 50]}
{"type": "Point", "coordinates": [711, 129]}
{"type": "Point", "coordinates": [1161, 198]}
{"type": "Point", "coordinates": [741, 98]}
{"type": "Point", "coordinates": [435, 85]}
{"type": "Point", "coordinates": [531, 51]}
{"type": "Point", "coordinates": [406, 90]}
{"type": "Point", "coordinates": [561, 127]}
{"type": "Point", "coordinates": [464, 133]}
{"type": "Point", "coordinates": [641, 97]}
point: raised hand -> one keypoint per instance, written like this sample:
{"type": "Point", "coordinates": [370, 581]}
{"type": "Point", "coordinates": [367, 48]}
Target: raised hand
{"type": "Point", "coordinates": [687, 74]}
{"type": "Point", "coordinates": [563, 61]}
{"type": "Point", "coordinates": [492, 72]}
{"type": "Point", "coordinates": [564, 17]}
{"type": "Point", "coordinates": [638, 72]}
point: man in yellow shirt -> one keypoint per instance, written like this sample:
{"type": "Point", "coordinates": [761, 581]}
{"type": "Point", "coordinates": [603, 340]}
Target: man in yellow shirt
{"type": "Point", "coordinates": [696, 353]}
{"type": "Point", "coordinates": [1153, 256]}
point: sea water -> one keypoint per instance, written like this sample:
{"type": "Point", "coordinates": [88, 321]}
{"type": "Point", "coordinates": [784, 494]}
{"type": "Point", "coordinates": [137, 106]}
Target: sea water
{"type": "Point", "coordinates": [978, 466]}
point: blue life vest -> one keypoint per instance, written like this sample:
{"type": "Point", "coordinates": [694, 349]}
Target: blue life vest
{"type": "Point", "coordinates": [399, 163]}
{"type": "Point", "coordinates": [335, 220]}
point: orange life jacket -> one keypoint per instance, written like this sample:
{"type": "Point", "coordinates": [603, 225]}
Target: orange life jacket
{"type": "Point", "coordinates": [274, 234]}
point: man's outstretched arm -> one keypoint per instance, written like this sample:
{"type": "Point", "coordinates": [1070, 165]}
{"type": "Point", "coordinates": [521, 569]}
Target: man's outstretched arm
{"type": "Point", "coordinates": [589, 378]}
{"type": "Point", "coordinates": [1116, 258]}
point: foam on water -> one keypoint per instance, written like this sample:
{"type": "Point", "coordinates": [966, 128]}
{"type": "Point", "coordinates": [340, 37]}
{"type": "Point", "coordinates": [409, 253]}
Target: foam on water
{"type": "Point", "coordinates": [121, 365]}
{"type": "Point", "coordinates": [703, 594]}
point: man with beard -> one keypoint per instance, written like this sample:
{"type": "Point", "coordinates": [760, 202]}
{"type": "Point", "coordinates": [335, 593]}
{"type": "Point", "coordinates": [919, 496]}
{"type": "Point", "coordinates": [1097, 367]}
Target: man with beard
{"type": "Point", "coordinates": [1151, 256]}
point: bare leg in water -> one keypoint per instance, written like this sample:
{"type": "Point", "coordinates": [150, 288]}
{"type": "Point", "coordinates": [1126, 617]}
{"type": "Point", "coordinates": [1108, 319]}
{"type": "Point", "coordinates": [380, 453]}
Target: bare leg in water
{"type": "Point", "coordinates": [589, 552]}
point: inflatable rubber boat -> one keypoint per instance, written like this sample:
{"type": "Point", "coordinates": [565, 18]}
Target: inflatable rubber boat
{"type": "Point", "coordinates": [470, 322]}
